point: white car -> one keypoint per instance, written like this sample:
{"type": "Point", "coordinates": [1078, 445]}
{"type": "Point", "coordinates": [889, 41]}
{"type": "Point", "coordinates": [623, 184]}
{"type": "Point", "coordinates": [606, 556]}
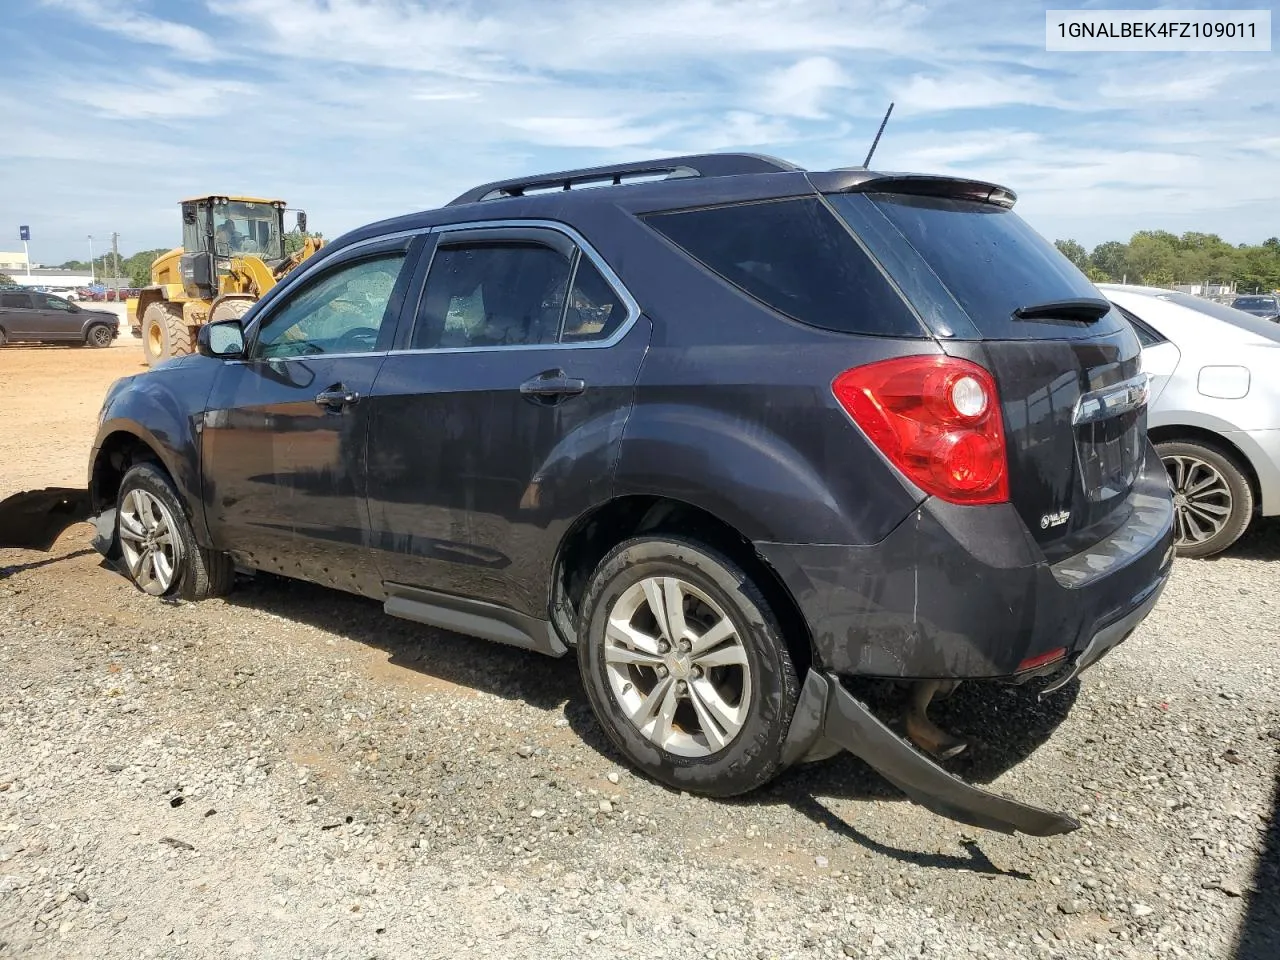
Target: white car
{"type": "Point", "coordinates": [1214, 412]}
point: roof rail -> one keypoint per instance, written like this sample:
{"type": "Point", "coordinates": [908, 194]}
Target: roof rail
{"type": "Point", "coordinates": [668, 168]}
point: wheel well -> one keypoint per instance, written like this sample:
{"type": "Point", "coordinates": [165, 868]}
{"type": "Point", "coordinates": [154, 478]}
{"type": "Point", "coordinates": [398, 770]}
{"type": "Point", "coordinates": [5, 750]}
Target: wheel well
{"type": "Point", "coordinates": [1172, 434]}
{"type": "Point", "coordinates": [118, 453]}
{"type": "Point", "coordinates": [595, 534]}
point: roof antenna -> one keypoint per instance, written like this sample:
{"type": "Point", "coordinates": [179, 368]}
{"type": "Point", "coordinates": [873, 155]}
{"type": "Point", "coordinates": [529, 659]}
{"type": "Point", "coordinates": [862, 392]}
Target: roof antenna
{"type": "Point", "coordinates": [866, 164]}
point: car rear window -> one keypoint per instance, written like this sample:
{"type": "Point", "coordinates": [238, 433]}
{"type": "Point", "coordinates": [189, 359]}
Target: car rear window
{"type": "Point", "coordinates": [1254, 303]}
{"type": "Point", "coordinates": [990, 261]}
{"type": "Point", "coordinates": [796, 257]}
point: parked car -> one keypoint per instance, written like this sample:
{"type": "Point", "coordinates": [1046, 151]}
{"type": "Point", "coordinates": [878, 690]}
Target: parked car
{"type": "Point", "coordinates": [1215, 410]}
{"type": "Point", "coordinates": [33, 317]}
{"type": "Point", "coordinates": [1267, 307]}
{"type": "Point", "coordinates": [731, 433]}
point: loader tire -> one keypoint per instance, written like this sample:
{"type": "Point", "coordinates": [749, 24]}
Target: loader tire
{"type": "Point", "coordinates": [165, 333]}
{"type": "Point", "coordinates": [232, 308]}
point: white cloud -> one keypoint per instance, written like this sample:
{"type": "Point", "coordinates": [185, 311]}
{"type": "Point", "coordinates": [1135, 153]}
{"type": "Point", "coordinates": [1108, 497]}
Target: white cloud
{"type": "Point", "coordinates": [802, 89]}
{"type": "Point", "coordinates": [123, 18]}
{"type": "Point", "coordinates": [966, 90]}
{"type": "Point", "coordinates": [163, 95]}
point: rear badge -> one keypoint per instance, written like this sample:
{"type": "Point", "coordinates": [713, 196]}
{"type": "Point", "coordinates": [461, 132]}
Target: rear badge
{"type": "Point", "coordinates": [1054, 519]}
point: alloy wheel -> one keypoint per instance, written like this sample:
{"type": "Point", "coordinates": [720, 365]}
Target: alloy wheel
{"type": "Point", "coordinates": [1201, 499]}
{"type": "Point", "coordinates": [100, 336]}
{"type": "Point", "coordinates": [677, 666]}
{"type": "Point", "coordinates": [149, 541]}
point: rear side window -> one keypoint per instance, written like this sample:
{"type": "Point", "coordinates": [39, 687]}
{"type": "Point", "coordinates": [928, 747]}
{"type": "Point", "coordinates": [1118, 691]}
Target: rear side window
{"type": "Point", "coordinates": [796, 257]}
{"type": "Point", "coordinates": [492, 295]}
{"type": "Point", "coordinates": [992, 263]}
{"type": "Point", "coordinates": [15, 301]}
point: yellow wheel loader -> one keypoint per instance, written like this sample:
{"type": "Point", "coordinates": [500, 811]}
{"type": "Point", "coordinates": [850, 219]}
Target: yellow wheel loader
{"type": "Point", "coordinates": [233, 252]}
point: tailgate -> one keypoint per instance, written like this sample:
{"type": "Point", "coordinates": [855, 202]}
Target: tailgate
{"type": "Point", "coordinates": [1066, 364]}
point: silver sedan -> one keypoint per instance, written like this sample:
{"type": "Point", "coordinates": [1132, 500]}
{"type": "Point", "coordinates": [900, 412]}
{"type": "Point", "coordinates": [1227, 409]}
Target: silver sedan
{"type": "Point", "coordinates": [1215, 410]}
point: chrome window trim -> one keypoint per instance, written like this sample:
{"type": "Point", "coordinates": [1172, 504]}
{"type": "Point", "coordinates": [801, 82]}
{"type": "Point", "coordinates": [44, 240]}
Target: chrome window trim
{"type": "Point", "coordinates": [611, 278]}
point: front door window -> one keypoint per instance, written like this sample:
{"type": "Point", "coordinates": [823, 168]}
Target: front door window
{"type": "Point", "coordinates": [342, 313]}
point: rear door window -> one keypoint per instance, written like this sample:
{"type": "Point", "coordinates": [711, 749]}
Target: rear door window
{"type": "Point", "coordinates": [796, 257]}
{"type": "Point", "coordinates": [15, 301]}
{"type": "Point", "coordinates": [487, 294]}
{"type": "Point", "coordinates": [990, 260]}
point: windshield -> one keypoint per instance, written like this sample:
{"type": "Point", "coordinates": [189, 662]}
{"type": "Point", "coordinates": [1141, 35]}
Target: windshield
{"type": "Point", "coordinates": [241, 227]}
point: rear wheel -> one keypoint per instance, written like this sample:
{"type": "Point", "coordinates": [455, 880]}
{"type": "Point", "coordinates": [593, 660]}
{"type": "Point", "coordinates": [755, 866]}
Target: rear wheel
{"type": "Point", "coordinates": [99, 335]}
{"type": "Point", "coordinates": [157, 544]}
{"type": "Point", "coordinates": [685, 666]}
{"type": "Point", "coordinates": [1212, 498]}
{"type": "Point", "coordinates": [165, 333]}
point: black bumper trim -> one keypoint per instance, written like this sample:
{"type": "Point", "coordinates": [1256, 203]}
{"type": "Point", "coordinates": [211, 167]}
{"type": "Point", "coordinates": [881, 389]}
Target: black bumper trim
{"type": "Point", "coordinates": [847, 722]}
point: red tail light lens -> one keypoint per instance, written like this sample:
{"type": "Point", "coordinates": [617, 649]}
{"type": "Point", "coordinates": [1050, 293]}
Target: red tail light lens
{"type": "Point", "coordinates": [937, 419]}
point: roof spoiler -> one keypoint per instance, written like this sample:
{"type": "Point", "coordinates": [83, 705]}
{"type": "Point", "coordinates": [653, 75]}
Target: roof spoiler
{"type": "Point", "coordinates": [860, 180]}
{"type": "Point", "coordinates": [667, 168]}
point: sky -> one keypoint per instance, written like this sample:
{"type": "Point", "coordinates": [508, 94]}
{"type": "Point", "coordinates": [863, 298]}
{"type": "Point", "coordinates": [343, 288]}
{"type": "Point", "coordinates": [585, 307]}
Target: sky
{"type": "Point", "coordinates": [114, 110]}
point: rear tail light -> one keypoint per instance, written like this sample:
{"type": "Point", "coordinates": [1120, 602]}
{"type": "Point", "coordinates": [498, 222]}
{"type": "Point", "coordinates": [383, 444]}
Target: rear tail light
{"type": "Point", "coordinates": [937, 420]}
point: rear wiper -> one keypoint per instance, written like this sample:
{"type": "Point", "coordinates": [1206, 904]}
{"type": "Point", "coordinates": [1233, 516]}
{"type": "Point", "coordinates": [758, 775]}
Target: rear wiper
{"type": "Point", "coordinates": [1084, 310]}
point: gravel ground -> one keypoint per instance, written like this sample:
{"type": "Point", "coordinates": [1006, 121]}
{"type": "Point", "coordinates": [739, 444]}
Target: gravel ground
{"type": "Point", "coordinates": [287, 773]}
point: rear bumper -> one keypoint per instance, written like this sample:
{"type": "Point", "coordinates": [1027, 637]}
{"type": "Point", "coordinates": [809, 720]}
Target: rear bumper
{"type": "Point", "coordinates": [965, 593]}
{"type": "Point", "coordinates": [828, 711]}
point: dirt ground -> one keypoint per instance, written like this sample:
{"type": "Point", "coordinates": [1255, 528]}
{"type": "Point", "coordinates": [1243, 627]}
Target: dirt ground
{"type": "Point", "coordinates": [288, 773]}
{"type": "Point", "coordinates": [55, 392]}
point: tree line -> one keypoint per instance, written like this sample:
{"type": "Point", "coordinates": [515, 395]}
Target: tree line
{"type": "Point", "coordinates": [1159, 258]}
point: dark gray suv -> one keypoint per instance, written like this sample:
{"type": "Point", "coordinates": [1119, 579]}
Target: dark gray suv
{"type": "Point", "coordinates": [35, 317]}
{"type": "Point", "coordinates": [731, 431]}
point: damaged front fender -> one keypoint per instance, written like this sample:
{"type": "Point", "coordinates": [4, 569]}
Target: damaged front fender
{"type": "Point", "coordinates": [35, 519]}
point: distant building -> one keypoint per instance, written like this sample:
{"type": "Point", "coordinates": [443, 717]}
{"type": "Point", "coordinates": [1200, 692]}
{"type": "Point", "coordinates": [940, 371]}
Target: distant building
{"type": "Point", "coordinates": [12, 261]}
{"type": "Point", "coordinates": [54, 279]}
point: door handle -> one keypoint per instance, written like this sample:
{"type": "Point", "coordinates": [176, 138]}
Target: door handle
{"type": "Point", "coordinates": [336, 397]}
{"type": "Point", "coordinates": [552, 386]}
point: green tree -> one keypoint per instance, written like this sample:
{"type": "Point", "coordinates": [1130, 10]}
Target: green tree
{"type": "Point", "coordinates": [1096, 275]}
{"type": "Point", "coordinates": [293, 240]}
{"type": "Point", "coordinates": [6, 280]}
{"type": "Point", "coordinates": [1150, 257]}
{"type": "Point", "coordinates": [1073, 252]}
{"type": "Point", "coordinates": [76, 266]}
{"type": "Point", "coordinates": [1109, 259]}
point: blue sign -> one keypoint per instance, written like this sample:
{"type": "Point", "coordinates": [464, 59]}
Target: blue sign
{"type": "Point", "coordinates": [24, 233]}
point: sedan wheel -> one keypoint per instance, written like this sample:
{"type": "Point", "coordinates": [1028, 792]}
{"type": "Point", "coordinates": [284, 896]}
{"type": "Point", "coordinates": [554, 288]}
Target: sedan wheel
{"type": "Point", "coordinates": [151, 549]}
{"type": "Point", "coordinates": [1212, 498]}
{"type": "Point", "coordinates": [677, 666]}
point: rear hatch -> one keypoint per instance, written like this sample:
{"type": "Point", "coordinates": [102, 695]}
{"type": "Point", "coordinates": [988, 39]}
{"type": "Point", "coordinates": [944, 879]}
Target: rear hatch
{"type": "Point", "coordinates": [1066, 365]}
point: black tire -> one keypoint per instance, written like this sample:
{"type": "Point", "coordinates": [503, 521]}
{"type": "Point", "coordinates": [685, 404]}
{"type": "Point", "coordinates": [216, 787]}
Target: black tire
{"type": "Point", "coordinates": [232, 308]}
{"type": "Point", "coordinates": [754, 755]}
{"type": "Point", "coordinates": [98, 335]}
{"type": "Point", "coordinates": [198, 573]}
{"type": "Point", "coordinates": [165, 333]}
{"type": "Point", "coordinates": [1237, 496]}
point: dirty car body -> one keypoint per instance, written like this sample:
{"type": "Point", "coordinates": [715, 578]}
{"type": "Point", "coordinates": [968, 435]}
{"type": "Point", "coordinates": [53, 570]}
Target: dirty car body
{"type": "Point", "coordinates": [933, 469]}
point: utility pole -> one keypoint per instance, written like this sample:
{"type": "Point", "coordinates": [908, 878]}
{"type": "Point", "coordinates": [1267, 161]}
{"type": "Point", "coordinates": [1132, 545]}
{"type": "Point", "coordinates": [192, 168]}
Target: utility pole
{"type": "Point", "coordinates": [115, 255]}
{"type": "Point", "coordinates": [93, 277]}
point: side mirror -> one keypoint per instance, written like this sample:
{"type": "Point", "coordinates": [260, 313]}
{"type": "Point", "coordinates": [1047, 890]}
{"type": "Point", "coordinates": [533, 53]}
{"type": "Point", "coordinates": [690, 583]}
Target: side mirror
{"type": "Point", "coordinates": [223, 340]}
{"type": "Point", "coordinates": [302, 221]}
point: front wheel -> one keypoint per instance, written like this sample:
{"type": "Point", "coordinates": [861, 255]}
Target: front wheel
{"type": "Point", "coordinates": [686, 667]}
{"type": "Point", "coordinates": [157, 544]}
{"type": "Point", "coordinates": [99, 335]}
{"type": "Point", "coordinates": [1212, 498]}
